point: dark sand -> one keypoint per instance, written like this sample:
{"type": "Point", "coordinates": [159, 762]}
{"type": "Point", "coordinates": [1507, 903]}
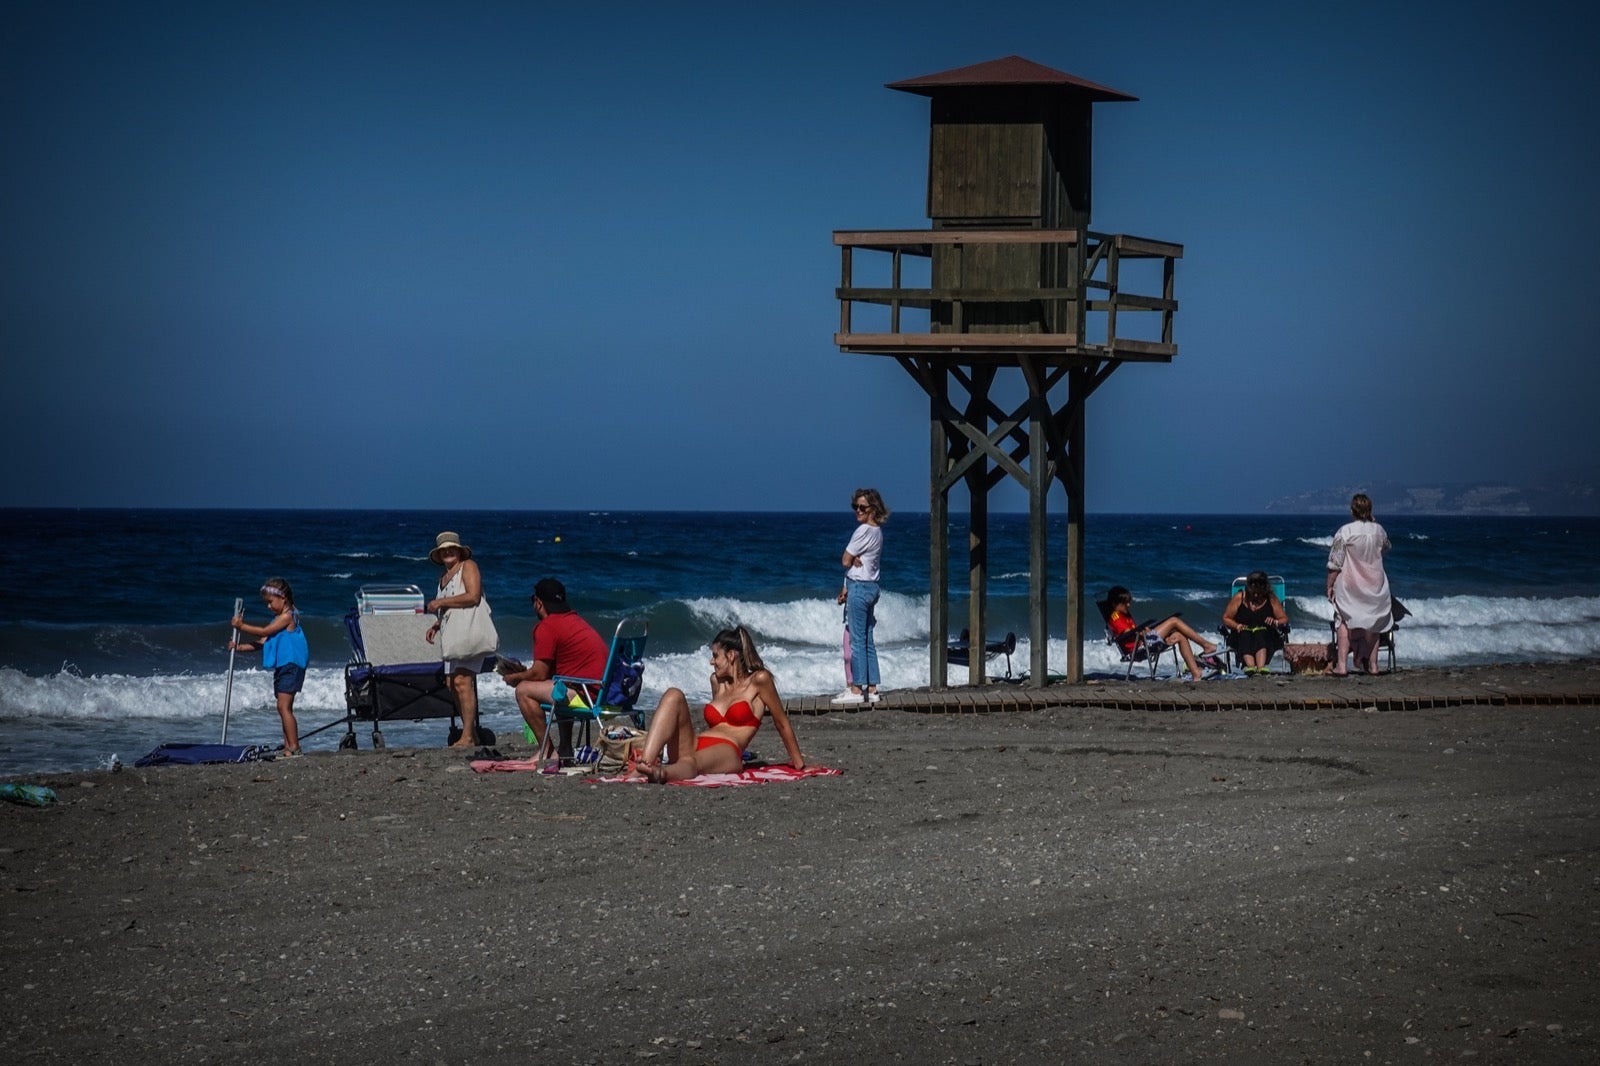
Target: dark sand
{"type": "Point", "coordinates": [1084, 885]}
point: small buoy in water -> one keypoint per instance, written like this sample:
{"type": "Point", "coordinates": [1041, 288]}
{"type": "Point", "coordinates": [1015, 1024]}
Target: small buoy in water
{"type": "Point", "coordinates": [558, 540]}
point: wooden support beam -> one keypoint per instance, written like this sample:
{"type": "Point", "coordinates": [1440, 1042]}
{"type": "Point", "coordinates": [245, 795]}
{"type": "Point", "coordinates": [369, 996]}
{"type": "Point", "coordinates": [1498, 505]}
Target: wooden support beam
{"type": "Point", "coordinates": [1038, 557]}
{"type": "Point", "coordinates": [924, 297]}
{"type": "Point", "coordinates": [1078, 389]}
{"type": "Point", "coordinates": [973, 343]}
{"type": "Point", "coordinates": [977, 577]}
{"type": "Point", "coordinates": [938, 531]}
{"type": "Point", "coordinates": [910, 240]}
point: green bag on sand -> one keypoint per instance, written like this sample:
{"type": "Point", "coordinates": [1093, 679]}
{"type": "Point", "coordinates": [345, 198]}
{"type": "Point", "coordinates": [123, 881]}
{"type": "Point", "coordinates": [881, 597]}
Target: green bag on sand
{"type": "Point", "coordinates": [32, 795]}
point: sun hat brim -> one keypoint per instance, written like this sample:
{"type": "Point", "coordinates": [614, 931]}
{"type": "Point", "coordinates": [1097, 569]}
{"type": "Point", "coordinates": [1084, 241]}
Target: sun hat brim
{"type": "Point", "coordinates": [448, 540]}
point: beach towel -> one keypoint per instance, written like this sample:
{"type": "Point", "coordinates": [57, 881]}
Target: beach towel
{"type": "Point", "coordinates": [195, 754]}
{"type": "Point", "coordinates": [488, 766]}
{"type": "Point", "coordinates": [750, 775]}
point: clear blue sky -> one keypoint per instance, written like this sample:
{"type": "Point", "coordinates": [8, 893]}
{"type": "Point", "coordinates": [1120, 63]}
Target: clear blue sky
{"type": "Point", "coordinates": [529, 255]}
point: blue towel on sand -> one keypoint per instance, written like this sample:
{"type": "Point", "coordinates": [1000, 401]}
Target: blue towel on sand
{"type": "Point", "coordinates": [194, 754]}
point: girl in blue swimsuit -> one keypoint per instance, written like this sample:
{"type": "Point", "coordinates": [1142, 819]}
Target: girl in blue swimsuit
{"type": "Point", "coordinates": [742, 694]}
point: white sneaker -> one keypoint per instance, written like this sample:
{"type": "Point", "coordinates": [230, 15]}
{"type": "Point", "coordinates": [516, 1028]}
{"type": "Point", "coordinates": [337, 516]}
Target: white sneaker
{"type": "Point", "coordinates": [848, 699]}
{"type": "Point", "coordinates": [874, 697]}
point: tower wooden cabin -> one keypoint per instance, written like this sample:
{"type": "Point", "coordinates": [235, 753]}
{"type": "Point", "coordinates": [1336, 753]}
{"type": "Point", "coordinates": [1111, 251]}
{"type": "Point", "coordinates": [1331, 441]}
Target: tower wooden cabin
{"type": "Point", "coordinates": [1008, 294]}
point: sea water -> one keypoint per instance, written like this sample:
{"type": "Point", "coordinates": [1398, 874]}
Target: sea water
{"type": "Point", "coordinates": [113, 636]}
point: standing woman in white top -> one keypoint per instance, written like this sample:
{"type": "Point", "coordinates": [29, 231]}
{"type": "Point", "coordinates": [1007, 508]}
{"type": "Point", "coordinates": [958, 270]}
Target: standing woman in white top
{"type": "Point", "coordinates": [860, 595]}
{"type": "Point", "coordinates": [461, 586]}
{"type": "Point", "coordinates": [1359, 588]}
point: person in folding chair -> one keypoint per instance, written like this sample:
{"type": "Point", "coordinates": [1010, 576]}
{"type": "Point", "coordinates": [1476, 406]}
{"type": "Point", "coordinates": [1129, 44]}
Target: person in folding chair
{"type": "Point", "coordinates": [564, 645]}
{"type": "Point", "coordinates": [1255, 620]}
{"type": "Point", "coordinates": [743, 693]}
{"type": "Point", "coordinates": [1171, 630]}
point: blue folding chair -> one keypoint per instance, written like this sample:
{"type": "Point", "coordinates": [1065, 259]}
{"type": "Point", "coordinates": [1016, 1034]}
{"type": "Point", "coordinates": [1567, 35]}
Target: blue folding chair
{"type": "Point", "coordinates": [618, 691]}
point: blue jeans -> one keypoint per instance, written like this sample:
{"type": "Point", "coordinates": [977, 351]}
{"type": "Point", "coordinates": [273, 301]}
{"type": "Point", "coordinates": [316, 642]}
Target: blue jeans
{"type": "Point", "coordinates": [861, 599]}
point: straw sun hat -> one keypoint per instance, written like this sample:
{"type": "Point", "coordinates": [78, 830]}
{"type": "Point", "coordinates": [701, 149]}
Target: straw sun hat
{"type": "Point", "coordinates": [448, 540]}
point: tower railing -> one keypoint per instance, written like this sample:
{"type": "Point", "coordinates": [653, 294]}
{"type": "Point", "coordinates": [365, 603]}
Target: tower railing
{"type": "Point", "coordinates": [1086, 309]}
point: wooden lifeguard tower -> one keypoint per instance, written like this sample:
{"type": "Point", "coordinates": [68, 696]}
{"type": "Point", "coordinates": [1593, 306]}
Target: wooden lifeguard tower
{"type": "Point", "coordinates": [1019, 291]}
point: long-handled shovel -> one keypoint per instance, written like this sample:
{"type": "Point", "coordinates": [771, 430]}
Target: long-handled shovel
{"type": "Point", "coordinates": [227, 692]}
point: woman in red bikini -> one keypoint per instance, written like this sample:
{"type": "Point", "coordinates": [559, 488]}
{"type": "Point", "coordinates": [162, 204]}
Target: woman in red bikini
{"type": "Point", "coordinates": [742, 693]}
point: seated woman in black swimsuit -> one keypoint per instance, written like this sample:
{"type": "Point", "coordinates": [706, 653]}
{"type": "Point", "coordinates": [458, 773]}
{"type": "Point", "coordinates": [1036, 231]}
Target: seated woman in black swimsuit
{"type": "Point", "coordinates": [742, 692]}
{"type": "Point", "coordinates": [1254, 621]}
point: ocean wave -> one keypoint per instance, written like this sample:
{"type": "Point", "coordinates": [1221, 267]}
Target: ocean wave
{"type": "Point", "coordinates": [1452, 630]}
{"type": "Point", "coordinates": [1448, 611]}
{"type": "Point", "coordinates": [1448, 630]}
{"type": "Point", "coordinates": [1258, 541]}
{"type": "Point", "coordinates": [1317, 542]}
{"type": "Point", "coordinates": [813, 621]}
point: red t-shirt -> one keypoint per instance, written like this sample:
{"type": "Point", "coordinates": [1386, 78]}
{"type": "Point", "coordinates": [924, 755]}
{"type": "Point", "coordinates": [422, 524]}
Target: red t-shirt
{"type": "Point", "coordinates": [571, 644]}
{"type": "Point", "coordinates": [1122, 627]}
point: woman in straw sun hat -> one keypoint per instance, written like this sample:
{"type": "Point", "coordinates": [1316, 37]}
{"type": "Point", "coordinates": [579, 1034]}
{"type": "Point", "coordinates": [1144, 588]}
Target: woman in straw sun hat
{"type": "Point", "coordinates": [460, 588]}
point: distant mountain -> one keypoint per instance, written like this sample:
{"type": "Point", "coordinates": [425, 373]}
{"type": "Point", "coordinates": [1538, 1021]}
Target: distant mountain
{"type": "Point", "coordinates": [1576, 495]}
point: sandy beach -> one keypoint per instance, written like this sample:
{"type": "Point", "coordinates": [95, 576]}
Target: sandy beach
{"type": "Point", "coordinates": [1068, 884]}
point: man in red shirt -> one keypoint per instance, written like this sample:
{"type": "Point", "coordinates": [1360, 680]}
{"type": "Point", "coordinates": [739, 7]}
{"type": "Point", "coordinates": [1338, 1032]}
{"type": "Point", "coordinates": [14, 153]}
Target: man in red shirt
{"type": "Point", "coordinates": [564, 645]}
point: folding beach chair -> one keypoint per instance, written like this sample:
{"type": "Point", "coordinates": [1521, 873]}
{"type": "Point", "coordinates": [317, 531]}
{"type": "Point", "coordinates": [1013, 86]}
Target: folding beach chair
{"type": "Point", "coordinates": [959, 652]}
{"type": "Point", "coordinates": [1132, 646]}
{"type": "Point", "coordinates": [1229, 636]}
{"type": "Point", "coordinates": [618, 691]}
{"type": "Point", "coordinates": [1397, 611]}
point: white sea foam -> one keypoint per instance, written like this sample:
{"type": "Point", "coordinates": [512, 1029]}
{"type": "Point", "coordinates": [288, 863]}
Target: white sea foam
{"type": "Point", "coordinates": [1474, 629]}
{"type": "Point", "coordinates": [816, 621]}
{"type": "Point", "coordinates": [1317, 542]}
{"type": "Point", "coordinates": [1258, 541]}
{"type": "Point", "coordinates": [800, 642]}
{"type": "Point", "coordinates": [1453, 611]}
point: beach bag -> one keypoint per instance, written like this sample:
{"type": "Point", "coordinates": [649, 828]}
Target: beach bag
{"type": "Point", "coordinates": [617, 745]}
{"type": "Point", "coordinates": [467, 633]}
{"type": "Point", "coordinates": [627, 680]}
{"type": "Point", "coordinates": [1309, 658]}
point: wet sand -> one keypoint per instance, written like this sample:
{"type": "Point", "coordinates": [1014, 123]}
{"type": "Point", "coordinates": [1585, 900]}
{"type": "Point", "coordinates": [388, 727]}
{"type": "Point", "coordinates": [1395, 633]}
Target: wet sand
{"type": "Point", "coordinates": [1335, 884]}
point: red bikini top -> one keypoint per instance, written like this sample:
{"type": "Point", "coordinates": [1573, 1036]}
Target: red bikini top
{"type": "Point", "coordinates": [740, 715]}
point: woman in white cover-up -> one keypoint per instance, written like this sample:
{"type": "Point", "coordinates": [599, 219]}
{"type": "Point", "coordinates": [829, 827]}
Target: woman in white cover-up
{"type": "Point", "coordinates": [1359, 588]}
